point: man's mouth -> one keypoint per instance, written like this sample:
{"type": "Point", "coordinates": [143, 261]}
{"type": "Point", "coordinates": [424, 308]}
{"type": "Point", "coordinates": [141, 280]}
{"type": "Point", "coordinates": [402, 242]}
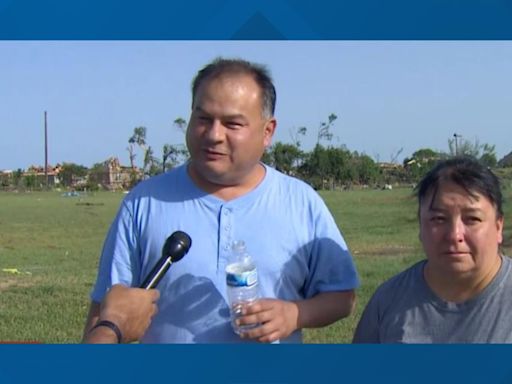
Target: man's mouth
{"type": "Point", "coordinates": [213, 154]}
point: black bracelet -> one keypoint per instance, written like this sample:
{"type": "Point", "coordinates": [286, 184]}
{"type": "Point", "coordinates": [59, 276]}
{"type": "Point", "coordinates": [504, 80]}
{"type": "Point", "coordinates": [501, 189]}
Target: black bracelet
{"type": "Point", "coordinates": [112, 326]}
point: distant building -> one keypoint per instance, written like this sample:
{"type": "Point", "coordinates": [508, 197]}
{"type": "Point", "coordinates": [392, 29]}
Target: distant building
{"type": "Point", "coordinates": [113, 176]}
{"type": "Point", "coordinates": [392, 173]}
{"type": "Point", "coordinates": [40, 175]}
{"type": "Point", "coordinates": [390, 166]}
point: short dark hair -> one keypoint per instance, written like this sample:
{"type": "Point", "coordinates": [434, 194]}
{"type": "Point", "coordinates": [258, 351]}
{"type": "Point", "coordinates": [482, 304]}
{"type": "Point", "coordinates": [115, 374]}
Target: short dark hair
{"type": "Point", "coordinates": [260, 74]}
{"type": "Point", "coordinates": [466, 172]}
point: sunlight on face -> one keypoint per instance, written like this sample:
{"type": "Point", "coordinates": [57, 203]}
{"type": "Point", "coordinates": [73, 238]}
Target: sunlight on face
{"type": "Point", "coordinates": [460, 233]}
{"type": "Point", "coordinates": [227, 133]}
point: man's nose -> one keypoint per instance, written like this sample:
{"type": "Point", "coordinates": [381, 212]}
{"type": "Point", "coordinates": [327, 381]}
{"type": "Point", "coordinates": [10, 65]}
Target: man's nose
{"type": "Point", "coordinates": [215, 131]}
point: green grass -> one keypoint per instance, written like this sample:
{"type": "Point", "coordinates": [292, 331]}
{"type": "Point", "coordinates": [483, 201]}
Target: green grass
{"type": "Point", "coordinates": [54, 242]}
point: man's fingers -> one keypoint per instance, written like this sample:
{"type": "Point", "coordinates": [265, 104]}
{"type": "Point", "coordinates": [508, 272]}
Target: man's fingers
{"type": "Point", "coordinates": [255, 316]}
{"type": "Point", "coordinates": [156, 294]}
{"type": "Point", "coordinates": [155, 310]}
{"type": "Point", "coordinates": [270, 338]}
{"type": "Point", "coordinates": [258, 332]}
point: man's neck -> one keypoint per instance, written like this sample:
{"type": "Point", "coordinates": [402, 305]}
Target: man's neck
{"type": "Point", "coordinates": [232, 191]}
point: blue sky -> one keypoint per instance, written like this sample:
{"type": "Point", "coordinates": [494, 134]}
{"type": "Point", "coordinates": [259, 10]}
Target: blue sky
{"type": "Point", "coordinates": [387, 94]}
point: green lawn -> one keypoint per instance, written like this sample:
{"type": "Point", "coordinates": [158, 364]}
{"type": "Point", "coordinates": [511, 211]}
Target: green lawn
{"type": "Point", "coordinates": [52, 244]}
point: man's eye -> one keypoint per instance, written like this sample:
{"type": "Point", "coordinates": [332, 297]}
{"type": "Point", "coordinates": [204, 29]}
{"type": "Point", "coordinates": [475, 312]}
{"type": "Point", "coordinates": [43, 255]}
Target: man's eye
{"type": "Point", "coordinates": [473, 219]}
{"type": "Point", "coordinates": [204, 119]}
{"type": "Point", "coordinates": [437, 219]}
{"type": "Point", "coordinates": [234, 124]}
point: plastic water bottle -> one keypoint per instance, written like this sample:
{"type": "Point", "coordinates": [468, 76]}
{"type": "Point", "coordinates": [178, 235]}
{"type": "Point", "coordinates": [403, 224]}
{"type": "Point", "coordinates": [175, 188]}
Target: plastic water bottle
{"type": "Point", "coordinates": [242, 283]}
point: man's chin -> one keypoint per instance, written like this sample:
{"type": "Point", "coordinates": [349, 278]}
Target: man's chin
{"type": "Point", "coordinates": [212, 175]}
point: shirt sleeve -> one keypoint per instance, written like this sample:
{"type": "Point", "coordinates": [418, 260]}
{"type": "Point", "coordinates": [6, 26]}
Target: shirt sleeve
{"type": "Point", "coordinates": [120, 256]}
{"type": "Point", "coordinates": [331, 265]}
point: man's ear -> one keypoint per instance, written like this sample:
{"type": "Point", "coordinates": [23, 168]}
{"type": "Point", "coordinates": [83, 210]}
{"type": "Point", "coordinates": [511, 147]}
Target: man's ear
{"type": "Point", "coordinates": [499, 227]}
{"type": "Point", "coordinates": [268, 133]}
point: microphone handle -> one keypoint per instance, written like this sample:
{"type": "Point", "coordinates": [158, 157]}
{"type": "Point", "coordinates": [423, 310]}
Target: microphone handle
{"type": "Point", "coordinates": [156, 273]}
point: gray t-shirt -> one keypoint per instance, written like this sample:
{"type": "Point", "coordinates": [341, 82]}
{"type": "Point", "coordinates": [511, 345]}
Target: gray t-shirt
{"type": "Point", "coordinates": [405, 310]}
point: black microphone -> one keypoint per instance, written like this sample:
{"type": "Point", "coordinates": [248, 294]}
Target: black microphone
{"type": "Point", "coordinates": [176, 246]}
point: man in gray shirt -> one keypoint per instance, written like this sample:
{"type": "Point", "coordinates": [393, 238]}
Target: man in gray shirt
{"type": "Point", "coordinates": [461, 292]}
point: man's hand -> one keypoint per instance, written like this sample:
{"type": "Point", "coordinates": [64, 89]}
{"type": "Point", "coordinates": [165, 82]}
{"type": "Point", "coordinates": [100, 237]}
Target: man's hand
{"type": "Point", "coordinates": [278, 319]}
{"type": "Point", "coordinates": [131, 309]}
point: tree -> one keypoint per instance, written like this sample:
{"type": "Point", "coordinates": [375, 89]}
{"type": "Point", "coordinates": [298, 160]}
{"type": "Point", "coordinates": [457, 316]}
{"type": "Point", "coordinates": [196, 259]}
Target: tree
{"type": "Point", "coordinates": [295, 133]}
{"type": "Point", "coordinates": [30, 181]}
{"type": "Point", "coordinates": [460, 146]}
{"type": "Point", "coordinates": [394, 155]}
{"type": "Point", "coordinates": [172, 155]}
{"type": "Point", "coordinates": [324, 131]}
{"type": "Point", "coordinates": [474, 149]}
{"type": "Point", "coordinates": [175, 154]}
{"type": "Point", "coordinates": [166, 152]}
{"type": "Point", "coordinates": [180, 123]}
{"type": "Point", "coordinates": [70, 171]}
{"type": "Point", "coordinates": [96, 176]}
{"type": "Point", "coordinates": [488, 157]}
{"type": "Point", "coordinates": [151, 166]}
{"type": "Point", "coordinates": [131, 152]}
{"type": "Point", "coordinates": [485, 153]}
{"type": "Point", "coordinates": [284, 157]}
{"type": "Point", "coordinates": [17, 177]}
{"type": "Point", "coordinates": [315, 165]}
{"type": "Point", "coordinates": [139, 138]}
{"type": "Point", "coordinates": [420, 162]}
{"type": "Point", "coordinates": [366, 169]}
{"type": "Point", "coordinates": [327, 167]}
{"type": "Point", "coordinates": [506, 161]}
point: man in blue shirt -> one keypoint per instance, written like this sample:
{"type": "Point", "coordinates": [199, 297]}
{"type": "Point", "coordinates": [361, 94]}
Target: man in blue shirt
{"type": "Point", "coordinates": [223, 194]}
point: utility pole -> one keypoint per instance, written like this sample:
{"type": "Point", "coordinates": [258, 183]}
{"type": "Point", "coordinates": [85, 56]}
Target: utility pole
{"type": "Point", "coordinates": [45, 149]}
{"type": "Point", "coordinates": [456, 136]}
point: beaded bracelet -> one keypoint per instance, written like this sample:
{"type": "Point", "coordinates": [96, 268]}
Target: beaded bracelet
{"type": "Point", "coordinates": [112, 326]}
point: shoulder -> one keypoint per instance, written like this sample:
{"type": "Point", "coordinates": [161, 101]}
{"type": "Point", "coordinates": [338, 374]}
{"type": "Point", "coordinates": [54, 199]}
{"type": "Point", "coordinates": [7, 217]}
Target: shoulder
{"type": "Point", "coordinates": [507, 268]}
{"type": "Point", "coordinates": [288, 184]}
{"type": "Point", "coordinates": [164, 183]}
{"type": "Point", "coordinates": [400, 283]}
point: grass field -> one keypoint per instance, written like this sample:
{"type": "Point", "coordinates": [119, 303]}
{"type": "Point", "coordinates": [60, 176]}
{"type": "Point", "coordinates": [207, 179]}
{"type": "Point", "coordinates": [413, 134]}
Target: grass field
{"type": "Point", "coordinates": [50, 244]}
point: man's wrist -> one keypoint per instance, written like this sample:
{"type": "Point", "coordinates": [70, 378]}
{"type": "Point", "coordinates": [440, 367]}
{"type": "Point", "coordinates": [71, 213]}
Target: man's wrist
{"type": "Point", "coordinates": [101, 335]}
{"type": "Point", "coordinates": [107, 324]}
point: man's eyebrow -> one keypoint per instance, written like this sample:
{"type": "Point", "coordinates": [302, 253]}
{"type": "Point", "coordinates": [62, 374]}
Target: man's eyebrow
{"type": "Point", "coordinates": [198, 108]}
{"type": "Point", "coordinates": [235, 116]}
{"type": "Point", "coordinates": [226, 117]}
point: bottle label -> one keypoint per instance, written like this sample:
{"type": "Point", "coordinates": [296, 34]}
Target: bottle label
{"type": "Point", "coordinates": [243, 279]}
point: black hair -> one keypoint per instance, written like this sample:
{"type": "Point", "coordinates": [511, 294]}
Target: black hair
{"type": "Point", "coordinates": [260, 74]}
{"type": "Point", "coordinates": [466, 172]}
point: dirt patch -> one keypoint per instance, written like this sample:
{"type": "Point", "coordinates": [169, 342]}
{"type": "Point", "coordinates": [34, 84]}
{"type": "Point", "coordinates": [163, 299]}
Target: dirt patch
{"type": "Point", "coordinates": [11, 282]}
{"type": "Point", "coordinates": [389, 250]}
{"type": "Point", "coordinates": [87, 204]}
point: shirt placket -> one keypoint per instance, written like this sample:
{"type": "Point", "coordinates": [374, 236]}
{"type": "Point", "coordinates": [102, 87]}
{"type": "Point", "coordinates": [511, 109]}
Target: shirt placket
{"type": "Point", "coordinates": [225, 238]}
